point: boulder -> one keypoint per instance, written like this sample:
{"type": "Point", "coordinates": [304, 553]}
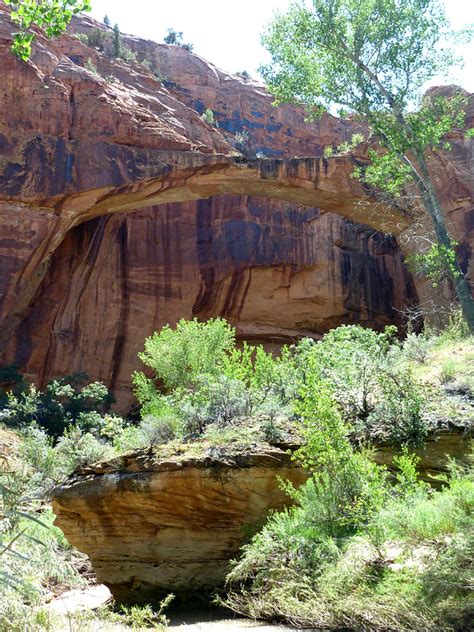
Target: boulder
{"type": "Point", "coordinates": [153, 526]}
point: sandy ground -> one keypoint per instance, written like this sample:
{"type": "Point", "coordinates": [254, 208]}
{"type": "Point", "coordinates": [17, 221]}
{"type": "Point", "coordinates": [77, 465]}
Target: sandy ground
{"type": "Point", "coordinates": [199, 619]}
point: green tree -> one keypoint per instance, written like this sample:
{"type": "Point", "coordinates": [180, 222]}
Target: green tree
{"type": "Point", "coordinates": [65, 401]}
{"type": "Point", "coordinates": [175, 38]}
{"type": "Point", "coordinates": [117, 42]}
{"type": "Point", "coordinates": [52, 16]}
{"type": "Point", "coordinates": [373, 57]}
{"type": "Point", "coordinates": [106, 20]}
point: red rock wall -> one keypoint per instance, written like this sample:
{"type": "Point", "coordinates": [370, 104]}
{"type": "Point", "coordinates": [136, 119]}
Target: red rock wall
{"type": "Point", "coordinates": [276, 270]}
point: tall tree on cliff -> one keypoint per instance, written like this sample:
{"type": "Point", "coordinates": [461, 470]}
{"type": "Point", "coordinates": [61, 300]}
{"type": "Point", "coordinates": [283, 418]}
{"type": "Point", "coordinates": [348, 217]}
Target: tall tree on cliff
{"type": "Point", "coordinates": [373, 57]}
{"type": "Point", "coordinates": [52, 16]}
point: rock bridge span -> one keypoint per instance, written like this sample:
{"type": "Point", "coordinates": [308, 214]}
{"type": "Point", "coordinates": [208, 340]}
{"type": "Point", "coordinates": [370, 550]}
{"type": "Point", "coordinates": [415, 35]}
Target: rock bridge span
{"type": "Point", "coordinates": [58, 192]}
{"type": "Point", "coordinates": [135, 179]}
{"type": "Point", "coordinates": [77, 146]}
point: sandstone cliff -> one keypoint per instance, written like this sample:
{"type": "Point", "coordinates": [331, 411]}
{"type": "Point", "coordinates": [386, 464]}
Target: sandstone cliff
{"type": "Point", "coordinates": [83, 283]}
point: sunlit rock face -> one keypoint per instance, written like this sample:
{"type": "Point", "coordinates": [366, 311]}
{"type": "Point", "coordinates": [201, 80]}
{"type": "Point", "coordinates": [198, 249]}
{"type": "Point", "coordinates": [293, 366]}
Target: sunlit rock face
{"type": "Point", "coordinates": [276, 271]}
{"type": "Point", "coordinates": [122, 210]}
{"type": "Point", "coordinates": [151, 527]}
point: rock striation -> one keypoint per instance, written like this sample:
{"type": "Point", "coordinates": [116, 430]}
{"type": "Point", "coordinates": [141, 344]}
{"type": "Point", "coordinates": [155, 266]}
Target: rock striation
{"type": "Point", "coordinates": [151, 526]}
{"type": "Point", "coordinates": [154, 524]}
{"type": "Point", "coordinates": [121, 210]}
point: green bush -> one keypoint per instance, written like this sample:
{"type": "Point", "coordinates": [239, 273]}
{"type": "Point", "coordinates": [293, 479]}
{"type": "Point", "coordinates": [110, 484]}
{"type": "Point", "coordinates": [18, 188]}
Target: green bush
{"type": "Point", "coordinates": [175, 38]}
{"type": "Point", "coordinates": [408, 568]}
{"type": "Point", "coordinates": [97, 38]}
{"type": "Point", "coordinates": [178, 356]}
{"type": "Point", "coordinates": [42, 464]}
{"type": "Point", "coordinates": [64, 402]}
{"type": "Point", "coordinates": [202, 378]}
{"type": "Point", "coordinates": [209, 118]}
{"type": "Point", "coordinates": [377, 395]}
{"type": "Point", "coordinates": [416, 347]}
{"type": "Point", "coordinates": [448, 371]}
{"type": "Point", "coordinates": [396, 418]}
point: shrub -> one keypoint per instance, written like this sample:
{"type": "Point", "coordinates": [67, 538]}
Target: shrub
{"type": "Point", "coordinates": [35, 561]}
{"type": "Point", "coordinates": [243, 145]}
{"type": "Point", "coordinates": [396, 418]}
{"type": "Point", "coordinates": [178, 356]}
{"type": "Point", "coordinates": [175, 38]}
{"type": "Point", "coordinates": [11, 381]}
{"type": "Point", "coordinates": [407, 568]}
{"type": "Point", "coordinates": [117, 42]}
{"type": "Point", "coordinates": [201, 378]}
{"type": "Point", "coordinates": [77, 449]}
{"type": "Point", "coordinates": [448, 371]}
{"type": "Point", "coordinates": [416, 347]}
{"type": "Point", "coordinates": [243, 74]}
{"type": "Point", "coordinates": [64, 401]}
{"type": "Point", "coordinates": [91, 67]}
{"type": "Point", "coordinates": [214, 401]}
{"type": "Point", "coordinates": [146, 63]}
{"type": "Point", "coordinates": [208, 117]}
{"type": "Point", "coordinates": [83, 38]}
{"type": "Point", "coordinates": [376, 394]}
{"type": "Point", "coordinates": [346, 487]}
{"type": "Point", "coordinates": [43, 465]}
{"type": "Point", "coordinates": [97, 38]}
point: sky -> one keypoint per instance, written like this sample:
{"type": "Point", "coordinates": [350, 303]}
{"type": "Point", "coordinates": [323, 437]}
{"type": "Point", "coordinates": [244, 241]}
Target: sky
{"type": "Point", "coordinates": [228, 33]}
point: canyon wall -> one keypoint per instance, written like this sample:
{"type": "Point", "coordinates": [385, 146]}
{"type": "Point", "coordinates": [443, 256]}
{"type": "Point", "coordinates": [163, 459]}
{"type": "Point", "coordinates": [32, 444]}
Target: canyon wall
{"type": "Point", "coordinates": [277, 272]}
{"type": "Point", "coordinates": [86, 276]}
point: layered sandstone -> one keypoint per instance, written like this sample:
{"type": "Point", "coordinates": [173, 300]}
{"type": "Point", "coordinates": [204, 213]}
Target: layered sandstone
{"type": "Point", "coordinates": [439, 450]}
{"type": "Point", "coordinates": [86, 275]}
{"type": "Point", "coordinates": [151, 527]}
{"type": "Point", "coordinates": [275, 272]}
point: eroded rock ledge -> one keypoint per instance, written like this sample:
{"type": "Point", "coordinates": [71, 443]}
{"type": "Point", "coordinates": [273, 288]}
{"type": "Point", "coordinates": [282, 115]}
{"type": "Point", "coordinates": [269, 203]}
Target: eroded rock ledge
{"type": "Point", "coordinates": [153, 526]}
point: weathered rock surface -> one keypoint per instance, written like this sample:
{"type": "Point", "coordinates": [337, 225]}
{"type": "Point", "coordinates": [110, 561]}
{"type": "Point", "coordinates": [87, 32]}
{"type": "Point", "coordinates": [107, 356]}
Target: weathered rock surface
{"type": "Point", "coordinates": [151, 527]}
{"type": "Point", "coordinates": [439, 449]}
{"type": "Point", "coordinates": [86, 276]}
{"type": "Point", "coordinates": [275, 272]}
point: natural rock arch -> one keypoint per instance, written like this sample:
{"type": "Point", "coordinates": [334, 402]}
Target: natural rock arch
{"type": "Point", "coordinates": [131, 179]}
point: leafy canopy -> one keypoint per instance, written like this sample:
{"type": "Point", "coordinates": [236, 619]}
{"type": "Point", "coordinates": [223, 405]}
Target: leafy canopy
{"type": "Point", "coordinates": [200, 378]}
{"type": "Point", "coordinates": [371, 57]}
{"type": "Point", "coordinates": [360, 54]}
{"type": "Point", "coordinates": [52, 16]}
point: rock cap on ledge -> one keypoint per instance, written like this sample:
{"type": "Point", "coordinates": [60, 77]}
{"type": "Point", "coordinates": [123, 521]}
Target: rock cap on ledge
{"type": "Point", "coordinates": [152, 525]}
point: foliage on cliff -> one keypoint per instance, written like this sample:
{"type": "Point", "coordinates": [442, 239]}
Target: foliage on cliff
{"type": "Point", "coordinates": [352, 388]}
{"type": "Point", "coordinates": [361, 550]}
{"type": "Point", "coordinates": [393, 558]}
{"type": "Point", "coordinates": [373, 59]}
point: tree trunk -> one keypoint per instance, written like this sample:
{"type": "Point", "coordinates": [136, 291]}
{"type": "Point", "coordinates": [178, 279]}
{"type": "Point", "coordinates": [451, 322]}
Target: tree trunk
{"type": "Point", "coordinates": [433, 208]}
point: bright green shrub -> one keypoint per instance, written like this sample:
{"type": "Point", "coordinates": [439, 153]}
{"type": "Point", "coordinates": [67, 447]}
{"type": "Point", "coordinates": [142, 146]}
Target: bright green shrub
{"type": "Point", "coordinates": [376, 394]}
{"type": "Point", "coordinates": [178, 356]}
{"type": "Point", "coordinates": [202, 378]}
{"type": "Point", "coordinates": [408, 568]}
